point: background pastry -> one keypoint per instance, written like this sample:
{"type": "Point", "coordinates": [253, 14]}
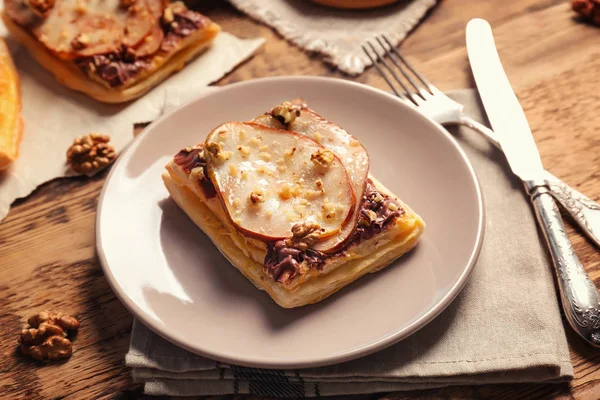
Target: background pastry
{"type": "Point", "coordinates": [112, 50]}
{"type": "Point", "coordinates": [11, 125]}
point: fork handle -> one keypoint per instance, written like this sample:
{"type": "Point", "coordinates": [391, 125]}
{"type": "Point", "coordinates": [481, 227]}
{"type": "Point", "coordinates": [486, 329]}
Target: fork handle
{"type": "Point", "coordinates": [579, 296]}
{"type": "Point", "coordinates": [584, 210]}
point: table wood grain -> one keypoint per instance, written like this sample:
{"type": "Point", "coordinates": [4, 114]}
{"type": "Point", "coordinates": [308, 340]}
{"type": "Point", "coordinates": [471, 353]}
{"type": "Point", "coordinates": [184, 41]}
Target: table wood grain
{"type": "Point", "coordinates": [47, 254]}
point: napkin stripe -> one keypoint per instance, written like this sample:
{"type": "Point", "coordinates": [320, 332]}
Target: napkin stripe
{"type": "Point", "coordinates": [265, 382]}
{"type": "Point", "coordinates": [274, 389]}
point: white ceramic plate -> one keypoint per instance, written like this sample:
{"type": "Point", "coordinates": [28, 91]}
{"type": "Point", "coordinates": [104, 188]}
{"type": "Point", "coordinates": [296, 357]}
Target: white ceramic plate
{"type": "Point", "coordinates": [171, 277]}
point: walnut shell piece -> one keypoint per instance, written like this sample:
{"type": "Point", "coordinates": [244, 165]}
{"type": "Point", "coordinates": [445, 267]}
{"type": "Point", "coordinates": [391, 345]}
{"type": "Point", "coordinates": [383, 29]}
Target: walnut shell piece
{"type": "Point", "coordinates": [45, 336]}
{"type": "Point", "coordinates": [588, 9]}
{"type": "Point", "coordinates": [90, 153]}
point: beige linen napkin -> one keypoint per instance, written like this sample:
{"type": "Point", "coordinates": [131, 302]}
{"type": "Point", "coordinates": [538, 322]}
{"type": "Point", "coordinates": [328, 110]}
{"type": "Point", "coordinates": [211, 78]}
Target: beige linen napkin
{"type": "Point", "coordinates": [504, 327]}
{"type": "Point", "coordinates": [54, 115]}
{"type": "Point", "coordinates": [335, 33]}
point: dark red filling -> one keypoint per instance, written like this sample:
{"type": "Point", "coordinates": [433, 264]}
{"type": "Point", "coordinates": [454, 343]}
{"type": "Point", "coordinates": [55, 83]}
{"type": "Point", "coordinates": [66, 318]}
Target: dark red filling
{"type": "Point", "coordinates": [185, 23]}
{"type": "Point", "coordinates": [191, 158]}
{"type": "Point", "coordinates": [112, 68]}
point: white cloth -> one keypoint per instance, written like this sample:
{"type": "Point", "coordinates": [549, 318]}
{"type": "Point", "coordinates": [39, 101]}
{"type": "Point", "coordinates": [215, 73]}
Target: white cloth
{"type": "Point", "coordinates": [335, 33]}
{"type": "Point", "coordinates": [54, 115]}
{"type": "Point", "coordinates": [504, 327]}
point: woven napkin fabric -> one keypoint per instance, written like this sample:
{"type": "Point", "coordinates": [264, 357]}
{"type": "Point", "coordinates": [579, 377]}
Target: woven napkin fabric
{"type": "Point", "coordinates": [504, 327]}
{"type": "Point", "coordinates": [335, 33]}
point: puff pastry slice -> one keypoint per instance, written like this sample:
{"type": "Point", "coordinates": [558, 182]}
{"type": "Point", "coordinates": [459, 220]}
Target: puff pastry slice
{"type": "Point", "coordinates": [293, 269]}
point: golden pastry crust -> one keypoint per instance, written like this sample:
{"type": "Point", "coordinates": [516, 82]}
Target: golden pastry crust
{"type": "Point", "coordinates": [11, 123]}
{"type": "Point", "coordinates": [71, 76]}
{"type": "Point", "coordinates": [248, 254]}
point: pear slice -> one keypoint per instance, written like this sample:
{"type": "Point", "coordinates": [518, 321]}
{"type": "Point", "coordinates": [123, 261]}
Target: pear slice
{"type": "Point", "coordinates": [269, 180]}
{"type": "Point", "coordinates": [331, 136]}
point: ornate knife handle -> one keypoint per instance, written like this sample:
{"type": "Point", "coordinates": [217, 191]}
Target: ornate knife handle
{"type": "Point", "coordinates": [579, 296]}
{"type": "Point", "coordinates": [584, 210]}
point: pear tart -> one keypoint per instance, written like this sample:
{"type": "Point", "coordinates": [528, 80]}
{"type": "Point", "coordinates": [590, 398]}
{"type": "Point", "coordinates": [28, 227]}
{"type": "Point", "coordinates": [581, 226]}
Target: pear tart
{"type": "Point", "coordinates": [288, 199]}
{"type": "Point", "coordinates": [112, 50]}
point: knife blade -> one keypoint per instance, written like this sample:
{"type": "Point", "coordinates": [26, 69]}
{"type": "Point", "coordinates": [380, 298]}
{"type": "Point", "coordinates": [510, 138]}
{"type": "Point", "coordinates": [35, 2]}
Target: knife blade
{"type": "Point", "coordinates": [579, 297]}
{"type": "Point", "coordinates": [501, 104]}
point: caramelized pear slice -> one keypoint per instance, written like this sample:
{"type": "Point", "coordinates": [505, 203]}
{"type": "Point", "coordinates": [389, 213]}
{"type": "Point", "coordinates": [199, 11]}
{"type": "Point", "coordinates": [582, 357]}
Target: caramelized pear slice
{"type": "Point", "coordinates": [350, 151]}
{"type": "Point", "coordinates": [151, 43]}
{"type": "Point", "coordinates": [269, 180]}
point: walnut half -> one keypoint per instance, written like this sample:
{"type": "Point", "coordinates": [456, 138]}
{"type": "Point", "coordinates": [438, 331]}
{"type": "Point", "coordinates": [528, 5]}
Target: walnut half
{"type": "Point", "coordinates": [90, 153]}
{"type": "Point", "coordinates": [304, 235]}
{"type": "Point", "coordinates": [45, 336]}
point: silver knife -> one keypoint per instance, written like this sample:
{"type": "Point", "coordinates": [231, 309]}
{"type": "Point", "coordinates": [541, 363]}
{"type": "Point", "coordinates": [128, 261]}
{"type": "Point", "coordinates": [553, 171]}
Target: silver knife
{"type": "Point", "coordinates": [579, 296]}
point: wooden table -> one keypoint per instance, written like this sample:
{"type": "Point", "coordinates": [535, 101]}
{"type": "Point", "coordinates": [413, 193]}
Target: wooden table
{"type": "Point", "coordinates": [47, 253]}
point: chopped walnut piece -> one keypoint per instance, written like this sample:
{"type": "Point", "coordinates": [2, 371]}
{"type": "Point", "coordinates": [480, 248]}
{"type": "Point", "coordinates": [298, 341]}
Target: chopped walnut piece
{"type": "Point", "coordinates": [245, 150]}
{"type": "Point", "coordinates": [588, 9]}
{"type": "Point", "coordinates": [367, 217]}
{"type": "Point", "coordinates": [255, 140]}
{"type": "Point", "coordinates": [313, 194]}
{"type": "Point", "coordinates": [233, 170]}
{"type": "Point", "coordinates": [329, 210]}
{"type": "Point", "coordinates": [41, 7]}
{"type": "Point", "coordinates": [322, 157]}
{"type": "Point", "coordinates": [168, 16]}
{"type": "Point", "coordinates": [286, 192]}
{"type": "Point", "coordinates": [80, 42]}
{"type": "Point", "coordinates": [90, 153]}
{"type": "Point", "coordinates": [216, 150]}
{"type": "Point", "coordinates": [289, 152]}
{"type": "Point", "coordinates": [265, 156]}
{"type": "Point", "coordinates": [197, 174]}
{"type": "Point", "coordinates": [45, 336]}
{"type": "Point", "coordinates": [286, 112]}
{"type": "Point", "coordinates": [257, 197]}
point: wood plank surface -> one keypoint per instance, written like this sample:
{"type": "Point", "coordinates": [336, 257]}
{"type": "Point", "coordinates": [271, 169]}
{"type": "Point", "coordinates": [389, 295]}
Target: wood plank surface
{"type": "Point", "coordinates": [47, 254]}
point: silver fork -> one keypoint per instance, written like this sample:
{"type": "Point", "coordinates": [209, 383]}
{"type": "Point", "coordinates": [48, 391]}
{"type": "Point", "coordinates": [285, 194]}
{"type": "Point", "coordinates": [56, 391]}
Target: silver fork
{"type": "Point", "coordinates": [416, 91]}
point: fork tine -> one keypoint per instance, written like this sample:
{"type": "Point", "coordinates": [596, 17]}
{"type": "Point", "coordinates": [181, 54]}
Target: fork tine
{"type": "Point", "coordinates": [407, 93]}
{"type": "Point", "coordinates": [400, 67]}
{"type": "Point", "coordinates": [419, 76]}
{"type": "Point", "coordinates": [383, 75]}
